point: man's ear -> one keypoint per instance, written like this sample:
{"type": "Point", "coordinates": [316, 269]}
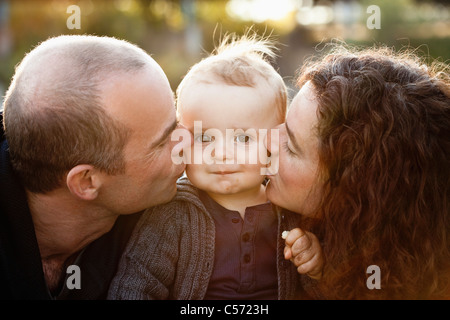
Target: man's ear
{"type": "Point", "coordinates": [84, 181]}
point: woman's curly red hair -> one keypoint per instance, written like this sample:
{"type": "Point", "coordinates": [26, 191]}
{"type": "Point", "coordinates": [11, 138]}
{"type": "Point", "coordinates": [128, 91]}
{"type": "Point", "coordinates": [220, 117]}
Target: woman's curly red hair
{"type": "Point", "coordinates": [384, 134]}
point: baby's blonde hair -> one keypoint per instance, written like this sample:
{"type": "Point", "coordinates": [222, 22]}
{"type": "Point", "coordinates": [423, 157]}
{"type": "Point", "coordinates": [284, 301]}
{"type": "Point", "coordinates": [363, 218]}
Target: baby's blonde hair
{"type": "Point", "coordinates": [240, 61]}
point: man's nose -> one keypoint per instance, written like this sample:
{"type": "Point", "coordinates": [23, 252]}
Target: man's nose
{"type": "Point", "coordinates": [183, 139]}
{"type": "Point", "coordinates": [189, 141]}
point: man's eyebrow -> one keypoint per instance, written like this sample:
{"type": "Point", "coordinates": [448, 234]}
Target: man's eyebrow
{"type": "Point", "coordinates": [292, 138]}
{"type": "Point", "coordinates": [165, 135]}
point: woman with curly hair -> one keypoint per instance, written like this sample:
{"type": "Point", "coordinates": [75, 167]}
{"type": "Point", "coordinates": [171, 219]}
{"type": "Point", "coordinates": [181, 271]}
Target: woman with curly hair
{"type": "Point", "coordinates": [364, 157]}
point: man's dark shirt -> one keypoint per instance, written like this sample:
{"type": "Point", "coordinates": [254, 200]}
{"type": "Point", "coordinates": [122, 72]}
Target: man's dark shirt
{"type": "Point", "coordinates": [21, 273]}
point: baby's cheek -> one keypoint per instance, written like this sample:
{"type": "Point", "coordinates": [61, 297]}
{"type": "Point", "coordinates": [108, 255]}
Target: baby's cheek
{"type": "Point", "coordinates": [194, 174]}
{"type": "Point", "coordinates": [247, 154]}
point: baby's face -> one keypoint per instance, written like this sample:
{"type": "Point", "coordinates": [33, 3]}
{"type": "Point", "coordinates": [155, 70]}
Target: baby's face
{"type": "Point", "coordinates": [229, 125]}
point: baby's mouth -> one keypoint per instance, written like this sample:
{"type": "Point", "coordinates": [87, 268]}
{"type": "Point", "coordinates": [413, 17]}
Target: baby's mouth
{"type": "Point", "coordinates": [224, 172]}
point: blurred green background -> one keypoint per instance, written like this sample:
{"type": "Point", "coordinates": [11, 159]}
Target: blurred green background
{"type": "Point", "coordinates": [178, 33]}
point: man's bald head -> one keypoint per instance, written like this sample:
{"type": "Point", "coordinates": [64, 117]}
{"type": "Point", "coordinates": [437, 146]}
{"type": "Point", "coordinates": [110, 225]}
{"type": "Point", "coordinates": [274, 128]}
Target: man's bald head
{"type": "Point", "coordinates": [53, 113]}
{"type": "Point", "coordinates": [65, 64]}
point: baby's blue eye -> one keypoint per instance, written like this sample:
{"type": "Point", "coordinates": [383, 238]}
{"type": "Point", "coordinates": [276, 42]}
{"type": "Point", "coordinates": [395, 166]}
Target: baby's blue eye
{"type": "Point", "coordinates": [203, 138]}
{"type": "Point", "coordinates": [242, 138]}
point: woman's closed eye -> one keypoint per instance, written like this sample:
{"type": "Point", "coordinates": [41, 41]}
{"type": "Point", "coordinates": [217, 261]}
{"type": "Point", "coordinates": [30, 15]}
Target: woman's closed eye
{"type": "Point", "coordinates": [287, 149]}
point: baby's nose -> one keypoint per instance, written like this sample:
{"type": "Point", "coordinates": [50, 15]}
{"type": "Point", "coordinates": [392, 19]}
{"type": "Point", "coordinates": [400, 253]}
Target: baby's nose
{"type": "Point", "coordinates": [223, 150]}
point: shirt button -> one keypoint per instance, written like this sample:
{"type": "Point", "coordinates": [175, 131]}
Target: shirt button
{"type": "Point", "coordinates": [247, 258]}
{"type": "Point", "coordinates": [246, 237]}
{"type": "Point", "coordinates": [235, 220]}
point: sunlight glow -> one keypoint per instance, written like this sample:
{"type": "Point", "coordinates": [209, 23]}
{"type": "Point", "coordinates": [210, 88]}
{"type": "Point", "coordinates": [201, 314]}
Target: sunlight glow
{"type": "Point", "coordinates": [315, 15]}
{"type": "Point", "coordinates": [261, 10]}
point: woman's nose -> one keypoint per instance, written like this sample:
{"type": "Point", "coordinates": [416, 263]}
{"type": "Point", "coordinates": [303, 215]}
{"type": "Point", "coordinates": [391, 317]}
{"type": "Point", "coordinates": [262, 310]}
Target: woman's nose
{"type": "Point", "coordinates": [273, 140]}
{"type": "Point", "coordinates": [273, 146]}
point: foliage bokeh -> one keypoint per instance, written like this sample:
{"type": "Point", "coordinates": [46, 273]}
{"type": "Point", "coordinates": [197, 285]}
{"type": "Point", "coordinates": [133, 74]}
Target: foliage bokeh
{"type": "Point", "coordinates": [178, 33]}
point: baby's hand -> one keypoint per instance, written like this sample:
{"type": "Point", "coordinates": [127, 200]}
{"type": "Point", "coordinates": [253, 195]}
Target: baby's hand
{"type": "Point", "coordinates": [303, 249]}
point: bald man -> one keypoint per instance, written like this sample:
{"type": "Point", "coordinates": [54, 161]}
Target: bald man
{"type": "Point", "coordinates": [86, 146]}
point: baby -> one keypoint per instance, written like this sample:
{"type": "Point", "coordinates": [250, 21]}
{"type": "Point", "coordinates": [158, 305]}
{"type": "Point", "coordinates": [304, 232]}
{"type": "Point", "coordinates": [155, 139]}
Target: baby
{"type": "Point", "coordinates": [220, 238]}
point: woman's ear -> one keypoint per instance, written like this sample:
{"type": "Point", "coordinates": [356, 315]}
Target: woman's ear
{"type": "Point", "coordinates": [84, 181]}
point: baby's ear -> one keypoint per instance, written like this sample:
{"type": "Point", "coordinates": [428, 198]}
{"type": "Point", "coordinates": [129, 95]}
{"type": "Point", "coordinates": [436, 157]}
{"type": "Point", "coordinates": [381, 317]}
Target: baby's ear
{"type": "Point", "coordinates": [84, 181]}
